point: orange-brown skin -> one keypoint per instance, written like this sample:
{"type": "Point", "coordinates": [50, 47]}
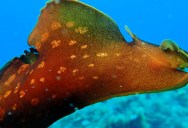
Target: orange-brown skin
{"type": "Point", "coordinates": [83, 59]}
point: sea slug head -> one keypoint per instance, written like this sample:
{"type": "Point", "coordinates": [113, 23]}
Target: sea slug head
{"type": "Point", "coordinates": [168, 53]}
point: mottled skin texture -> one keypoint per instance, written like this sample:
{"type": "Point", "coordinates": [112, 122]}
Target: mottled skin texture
{"type": "Point", "coordinates": [83, 59]}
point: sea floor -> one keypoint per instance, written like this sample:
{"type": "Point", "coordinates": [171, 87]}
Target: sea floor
{"type": "Point", "coordinates": [159, 110]}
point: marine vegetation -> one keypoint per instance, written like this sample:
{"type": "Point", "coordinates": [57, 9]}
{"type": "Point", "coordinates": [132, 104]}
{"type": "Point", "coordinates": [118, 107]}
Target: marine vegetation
{"type": "Point", "coordinates": [79, 57]}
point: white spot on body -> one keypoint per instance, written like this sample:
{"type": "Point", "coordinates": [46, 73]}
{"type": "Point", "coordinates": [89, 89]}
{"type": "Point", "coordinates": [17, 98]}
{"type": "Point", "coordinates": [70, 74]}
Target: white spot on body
{"type": "Point", "coordinates": [42, 80]}
{"type": "Point", "coordinates": [9, 113]}
{"type": "Point", "coordinates": [102, 54]}
{"type": "Point", "coordinates": [70, 24]}
{"type": "Point", "coordinates": [55, 25]}
{"type": "Point", "coordinates": [32, 81]}
{"type": "Point", "coordinates": [72, 42]}
{"type": "Point", "coordinates": [44, 37]}
{"type": "Point", "coordinates": [73, 56]}
{"type": "Point", "coordinates": [10, 80]}
{"type": "Point", "coordinates": [84, 46]}
{"type": "Point", "coordinates": [41, 65]}
{"type": "Point", "coordinates": [7, 93]}
{"type": "Point", "coordinates": [14, 107]}
{"type": "Point", "coordinates": [22, 94]}
{"type": "Point", "coordinates": [17, 87]}
{"type": "Point", "coordinates": [91, 65]}
{"type": "Point", "coordinates": [61, 70]}
{"type": "Point", "coordinates": [85, 56]}
{"type": "Point", "coordinates": [75, 71]}
{"type": "Point", "coordinates": [55, 43]}
{"type": "Point", "coordinates": [81, 30]}
{"type": "Point", "coordinates": [22, 68]}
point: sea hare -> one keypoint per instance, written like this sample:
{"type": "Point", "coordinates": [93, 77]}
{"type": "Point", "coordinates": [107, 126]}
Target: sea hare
{"type": "Point", "coordinates": [82, 58]}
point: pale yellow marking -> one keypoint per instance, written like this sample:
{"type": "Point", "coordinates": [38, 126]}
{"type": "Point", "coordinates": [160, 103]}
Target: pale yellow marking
{"type": "Point", "coordinates": [102, 54]}
{"type": "Point", "coordinates": [61, 70]}
{"type": "Point", "coordinates": [17, 87]}
{"type": "Point", "coordinates": [38, 45]}
{"type": "Point", "coordinates": [85, 56]}
{"type": "Point", "coordinates": [41, 65]}
{"type": "Point", "coordinates": [22, 68]}
{"type": "Point", "coordinates": [81, 30]}
{"type": "Point", "coordinates": [10, 80]}
{"type": "Point", "coordinates": [73, 56]}
{"type": "Point", "coordinates": [32, 81]}
{"type": "Point", "coordinates": [81, 78]}
{"type": "Point", "coordinates": [75, 71]}
{"type": "Point", "coordinates": [120, 67]}
{"type": "Point", "coordinates": [42, 80]}
{"type": "Point", "coordinates": [91, 65]}
{"type": "Point", "coordinates": [117, 54]}
{"type": "Point", "coordinates": [7, 93]}
{"type": "Point", "coordinates": [22, 94]}
{"type": "Point", "coordinates": [83, 46]}
{"type": "Point", "coordinates": [14, 107]}
{"type": "Point", "coordinates": [55, 25]}
{"type": "Point", "coordinates": [70, 24]}
{"type": "Point", "coordinates": [72, 42]}
{"type": "Point", "coordinates": [31, 72]}
{"type": "Point", "coordinates": [44, 37]}
{"type": "Point", "coordinates": [55, 43]}
{"type": "Point", "coordinates": [95, 77]}
{"type": "Point", "coordinates": [34, 101]}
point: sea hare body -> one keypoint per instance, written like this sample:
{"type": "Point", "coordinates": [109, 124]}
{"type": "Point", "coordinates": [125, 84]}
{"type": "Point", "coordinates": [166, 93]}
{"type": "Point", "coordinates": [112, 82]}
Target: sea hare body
{"type": "Point", "coordinates": [81, 58]}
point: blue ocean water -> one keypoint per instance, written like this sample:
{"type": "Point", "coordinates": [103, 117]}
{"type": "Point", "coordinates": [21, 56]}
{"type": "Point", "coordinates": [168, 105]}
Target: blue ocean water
{"type": "Point", "coordinates": [150, 20]}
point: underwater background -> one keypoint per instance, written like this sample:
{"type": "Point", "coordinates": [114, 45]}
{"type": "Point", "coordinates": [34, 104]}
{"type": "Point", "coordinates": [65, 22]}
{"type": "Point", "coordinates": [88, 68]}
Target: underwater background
{"type": "Point", "coordinates": [150, 20]}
